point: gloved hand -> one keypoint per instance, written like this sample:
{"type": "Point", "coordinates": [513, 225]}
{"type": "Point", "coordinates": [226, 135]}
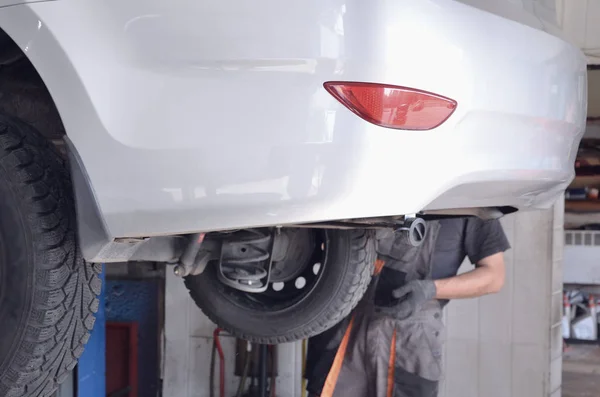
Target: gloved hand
{"type": "Point", "coordinates": [412, 296]}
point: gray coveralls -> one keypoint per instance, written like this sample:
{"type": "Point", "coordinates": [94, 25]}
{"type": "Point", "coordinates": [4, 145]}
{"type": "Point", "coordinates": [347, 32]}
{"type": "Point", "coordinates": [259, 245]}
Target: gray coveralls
{"type": "Point", "coordinates": [373, 354]}
{"type": "Point", "coordinates": [381, 356]}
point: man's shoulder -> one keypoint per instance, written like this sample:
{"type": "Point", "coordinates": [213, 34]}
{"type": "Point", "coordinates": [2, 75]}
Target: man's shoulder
{"type": "Point", "coordinates": [477, 223]}
{"type": "Point", "coordinates": [454, 226]}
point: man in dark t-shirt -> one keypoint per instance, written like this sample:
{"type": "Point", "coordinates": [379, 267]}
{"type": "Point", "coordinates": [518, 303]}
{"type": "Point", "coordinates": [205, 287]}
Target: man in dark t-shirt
{"type": "Point", "coordinates": [483, 243]}
{"type": "Point", "coordinates": [405, 297]}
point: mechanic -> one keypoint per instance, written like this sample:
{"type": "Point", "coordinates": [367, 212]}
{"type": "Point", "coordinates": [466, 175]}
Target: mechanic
{"type": "Point", "coordinates": [391, 345]}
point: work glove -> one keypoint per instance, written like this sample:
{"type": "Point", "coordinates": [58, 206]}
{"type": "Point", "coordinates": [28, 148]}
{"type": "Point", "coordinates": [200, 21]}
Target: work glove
{"type": "Point", "coordinates": [412, 296]}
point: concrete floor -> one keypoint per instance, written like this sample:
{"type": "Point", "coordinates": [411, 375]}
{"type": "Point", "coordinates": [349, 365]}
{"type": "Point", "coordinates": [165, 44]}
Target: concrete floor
{"type": "Point", "coordinates": [581, 371]}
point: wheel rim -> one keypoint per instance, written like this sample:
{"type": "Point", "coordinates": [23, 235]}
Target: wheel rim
{"type": "Point", "coordinates": [282, 296]}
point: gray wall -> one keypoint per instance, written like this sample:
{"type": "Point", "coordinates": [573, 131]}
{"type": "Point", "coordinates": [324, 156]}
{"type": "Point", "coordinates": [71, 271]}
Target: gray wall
{"type": "Point", "coordinates": [510, 344]}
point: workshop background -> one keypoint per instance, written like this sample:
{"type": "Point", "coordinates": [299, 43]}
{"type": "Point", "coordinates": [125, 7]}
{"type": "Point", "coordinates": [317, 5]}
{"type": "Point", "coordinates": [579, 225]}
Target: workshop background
{"type": "Point", "coordinates": [151, 339]}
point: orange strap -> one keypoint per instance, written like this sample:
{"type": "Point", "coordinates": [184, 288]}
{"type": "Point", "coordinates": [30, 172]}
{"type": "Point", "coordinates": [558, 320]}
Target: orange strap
{"type": "Point", "coordinates": [336, 367]}
{"type": "Point", "coordinates": [338, 361]}
{"type": "Point", "coordinates": [391, 367]}
{"type": "Point", "coordinates": [379, 263]}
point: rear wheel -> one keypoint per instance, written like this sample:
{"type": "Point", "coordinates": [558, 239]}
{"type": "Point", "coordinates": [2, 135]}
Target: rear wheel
{"type": "Point", "coordinates": [324, 275]}
{"type": "Point", "coordinates": [48, 294]}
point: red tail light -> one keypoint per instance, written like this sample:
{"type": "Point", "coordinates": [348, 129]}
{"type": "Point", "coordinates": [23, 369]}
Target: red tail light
{"type": "Point", "coordinates": [391, 106]}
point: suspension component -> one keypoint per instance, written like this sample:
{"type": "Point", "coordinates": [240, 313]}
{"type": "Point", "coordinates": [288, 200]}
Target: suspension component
{"type": "Point", "coordinates": [246, 259]}
{"type": "Point", "coordinates": [190, 263]}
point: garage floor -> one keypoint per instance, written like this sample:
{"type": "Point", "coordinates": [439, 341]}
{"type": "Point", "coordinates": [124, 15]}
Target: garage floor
{"type": "Point", "coordinates": [581, 371]}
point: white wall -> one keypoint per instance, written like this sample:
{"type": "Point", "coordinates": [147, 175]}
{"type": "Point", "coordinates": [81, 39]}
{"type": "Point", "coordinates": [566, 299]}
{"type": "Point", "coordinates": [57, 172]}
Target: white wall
{"type": "Point", "coordinates": [188, 344]}
{"type": "Point", "coordinates": [579, 20]}
{"type": "Point", "coordinates": [510, 344]}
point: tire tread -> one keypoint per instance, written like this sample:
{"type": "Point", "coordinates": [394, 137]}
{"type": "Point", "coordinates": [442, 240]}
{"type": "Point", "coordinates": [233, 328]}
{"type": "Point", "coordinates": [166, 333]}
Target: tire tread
{"type": "Point", "coordinates": [66, 287]}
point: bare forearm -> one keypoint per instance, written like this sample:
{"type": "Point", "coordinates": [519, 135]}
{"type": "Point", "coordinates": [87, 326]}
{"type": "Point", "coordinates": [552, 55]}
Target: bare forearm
{"type": "Point", "coordinates": [478, 282]}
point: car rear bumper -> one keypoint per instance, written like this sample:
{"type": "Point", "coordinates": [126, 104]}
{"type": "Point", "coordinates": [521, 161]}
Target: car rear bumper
{"type": "Point", "coordinates": [184, 134]}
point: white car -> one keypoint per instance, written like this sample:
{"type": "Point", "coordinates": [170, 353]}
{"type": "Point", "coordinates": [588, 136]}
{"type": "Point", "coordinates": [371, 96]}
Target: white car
{"type": "Point", "coordinates": [258, 146]}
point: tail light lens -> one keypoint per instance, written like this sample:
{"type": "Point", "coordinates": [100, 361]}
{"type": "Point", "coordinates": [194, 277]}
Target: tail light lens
{"type": "Point", "coordinates": [391, 106]}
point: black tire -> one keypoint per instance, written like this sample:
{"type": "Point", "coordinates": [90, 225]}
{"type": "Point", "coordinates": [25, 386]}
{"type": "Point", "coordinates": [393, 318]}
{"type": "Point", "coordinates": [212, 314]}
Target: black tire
{"type": "Point", "coordinates": [48, 294]}
{"type": "Point", "coordinates": [346, 276]}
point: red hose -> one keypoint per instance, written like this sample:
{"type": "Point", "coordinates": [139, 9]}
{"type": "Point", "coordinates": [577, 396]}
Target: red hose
{"type": "Point", "coordinates": [221, 362]}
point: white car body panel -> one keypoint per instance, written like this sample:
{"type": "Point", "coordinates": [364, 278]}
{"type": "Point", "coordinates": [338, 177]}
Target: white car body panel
{"type": "Point", "coordinates": [7, 3]}
{"type": "Point", "coordinates": [195, 115]}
